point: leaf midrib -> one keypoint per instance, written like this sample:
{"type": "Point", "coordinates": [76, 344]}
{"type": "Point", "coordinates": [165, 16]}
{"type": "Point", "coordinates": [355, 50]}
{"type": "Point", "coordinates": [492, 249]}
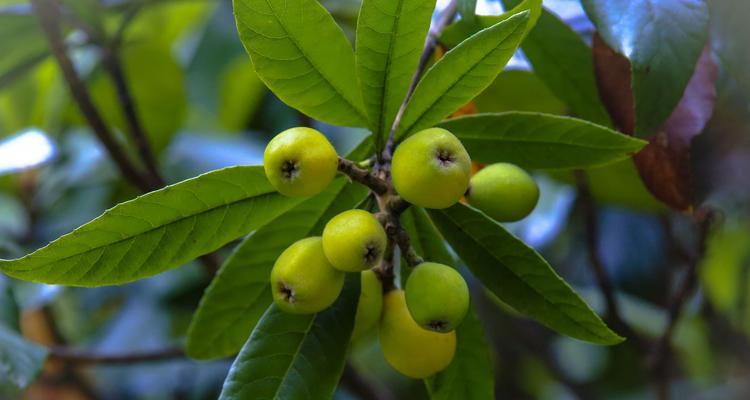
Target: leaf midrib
{"type": "Point", "coordinates": [295, 354]}
{"type": "Point", "coordinates": [533, 289]}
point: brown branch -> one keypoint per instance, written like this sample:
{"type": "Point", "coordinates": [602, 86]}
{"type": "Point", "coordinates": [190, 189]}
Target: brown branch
{"type": "Point", "coordinates": [429, 48]}
{"type": "Point", "coordinates": [113, 66]}
{"type": "Point", "coordinates": [363, 176]}
{"type": "Point", "coordinates": [78, 357]}
{"type": "Point", "coordinates": [49, 17]}
{"type": "Point", "coordinates": [597, 265]}
{"type": "Point", "coordinates": [111, 62]}
{"type": "Point", "coordinates": [385, 270]}
{"type": "Point", "coordinates": [660, 356]}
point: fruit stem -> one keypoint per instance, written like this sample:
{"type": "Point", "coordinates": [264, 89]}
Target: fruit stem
{"type": "Point", "coordinates": [363, 176]}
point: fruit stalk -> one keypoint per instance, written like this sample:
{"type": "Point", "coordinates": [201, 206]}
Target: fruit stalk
{"type": "Point", "coordinates": [363, 176]}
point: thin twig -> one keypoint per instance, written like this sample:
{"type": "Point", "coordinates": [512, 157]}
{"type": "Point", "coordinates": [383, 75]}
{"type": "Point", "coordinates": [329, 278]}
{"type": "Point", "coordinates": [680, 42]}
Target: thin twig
{"type": "Point", "coordinates": [113, 66]}
{"type": "Point", "coordinates": [385, 270]}
{"type": "Point", "coordinates": [49, 18]}
{"type": "Point", "coordinates": [111, 62]}
{"type": "Point", "coordinates": [88, 358]}
{"type": "Point", "coordinates": [597, 265]}
{"type": "Point", "coordinates": [363, 176]}
{"type": "Point", "coordinates": [660, 357]}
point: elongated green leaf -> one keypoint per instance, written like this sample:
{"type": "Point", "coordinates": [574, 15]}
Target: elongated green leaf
{"type": "Point", "coordinates": [23, 46]}
{"type": "Point", "coordinates": [535, 140]}
{"type": "Point", "coordinates": [462, 74]}
{"type": "Point", "coordinates": [470, 375]}
{"type": "Point", "coordinates": [390, 37]}
{"type": "Point", "coordinates": [425, 237]}
{"type": "Point", "coordinates": [157, 231]}
{"type": "Point", "coordinates": [564, 62]}
{"type": "Point", "coordinates": [641, 30]}
{"type": "Point", "coordinates": [240, 293]}
{"type": "Point", "coordinates": [461, 30]}
{"type": "Point", "coordinates": [303, 57]}
{"type": "Point", "coordinates": [295, 356]}
{"type": "Point", "coordinates": [518, 275]}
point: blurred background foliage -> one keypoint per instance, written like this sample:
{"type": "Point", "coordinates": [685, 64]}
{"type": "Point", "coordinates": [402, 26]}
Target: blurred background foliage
{"type": "Point", "coordinates": [203, 108]}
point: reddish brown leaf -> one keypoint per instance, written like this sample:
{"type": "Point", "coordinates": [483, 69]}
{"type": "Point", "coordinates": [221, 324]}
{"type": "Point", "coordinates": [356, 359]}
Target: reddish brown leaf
{"type": "Point", "coordinates": [664, 164]}
{"type": "Point", "coordinates": [613, 79]}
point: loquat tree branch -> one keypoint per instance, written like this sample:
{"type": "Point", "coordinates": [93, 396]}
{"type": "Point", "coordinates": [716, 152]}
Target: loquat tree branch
{"type": "Point", "coordinates": [111, 62]}
{"type": "Point", "coordinates": [112, 65]}
{"type": "Point", "coordinates": [363, 176]}
{"type": "Point", "coordinates": [603, 280]}
{"type": "Point", "coordinates": [79, 357]}
{"type": "Point", "coordinates": [48, 15]}
{"type": "Point", "coordinates": [660, 356]}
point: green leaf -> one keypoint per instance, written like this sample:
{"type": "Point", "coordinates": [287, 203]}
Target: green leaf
{"type": "Point", "coordinates": [23, 46]}
{"type": "Point", "coordinates": [534, 140]}
{"type": "Point", "coordinates": [240, 94]}
{"type": "Point", "coordinates": [518, 275]}
{"type": "Point", "coordinates": [641, 30]}
{"type": "Point", "coordinates": [461, 74]}
{"type": "Point", "coordinates": [518, 90]}
{"type": "Point", "coordinates": [461, 30]}
{"type": "Point", "coordinates": [295, 356]}
{"type": "Point", "coordinates": [425, 238]}
{"type": "Point", "coordinates": [20, 362]}
{"type": "Point", "coordinates": [564, 62]}
{"type": "Point", "coordinates": [390, 37]}
{"type": "Point", "coordinates": [470, 374]}
{"type": "Point", "coordinates": [303, 57]}
{"type": "Point", "coordinates": [165, 23]}
{"type": "Point", "coordinates": [157, 231]}
{"type": "Point", "coordinates": [240, 293]}
{"type": "Point", "coordinates": [37, 99]}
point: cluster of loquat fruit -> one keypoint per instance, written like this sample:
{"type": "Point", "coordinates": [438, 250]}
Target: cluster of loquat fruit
{"type": "Point", "coordinates": [431, 169]}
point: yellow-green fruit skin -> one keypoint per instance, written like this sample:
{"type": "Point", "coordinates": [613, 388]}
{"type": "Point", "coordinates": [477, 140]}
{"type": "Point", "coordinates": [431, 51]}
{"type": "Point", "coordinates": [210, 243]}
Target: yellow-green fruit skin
{"type": "Point", "coordinates": [437, 297]}
{"type": "Point", "coordinates": [503, 191]}
{"type": "Point", "coordinates": [411, 350]}
{"type": "Point", "coordinates": [431, 169]}
{"type": "Point", "coordinates": [354, 241]}
{"type": "Point", "coordinates": [300, 162]}
{"type": "Point", "coordinates": [370, 304]}
{"type": "Point", "coordinates": [302, 279]}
